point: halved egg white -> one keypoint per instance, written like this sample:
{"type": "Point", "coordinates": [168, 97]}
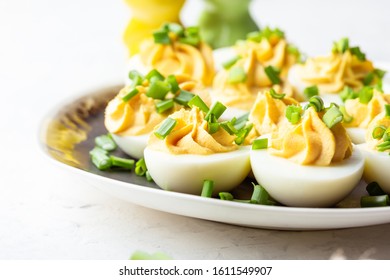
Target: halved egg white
{"type": "Point", "coordinates": [377, 167]}
{"type": "Point", "coordinates": [133, 146]}
{"type": "Point", "coordinates": [185, 173]}
{"type": "Point", "coordinates": [306, 186]}
{"type": "Point", "coordinates": [357, 134]}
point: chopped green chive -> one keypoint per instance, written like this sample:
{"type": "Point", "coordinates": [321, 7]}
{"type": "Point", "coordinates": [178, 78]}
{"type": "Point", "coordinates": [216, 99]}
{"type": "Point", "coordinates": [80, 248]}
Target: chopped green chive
{"type": "Point", "coordinates": [140, 167]}
{"type": "Point", "coordinates": [164, 105]}
{"type": "Point", "coordinates": [379, 73]}
{"type": "Point", "coordinates": [229, 63]}
{"type": "Point", "coordinates": [100, 158]}
{"type": "Point", "coordinates": [259, 144]}
{"type": "Point", "coordinates": [130, 95]}
{"type": "Point", "coordinates": [148, 176]}
{"type": "Point", "coordinates": [374, 201]}
{"type": "Point", "coordinates": [136, 78]}
{"type": "Point", "coordinates": [291, 49]}
{"type": "Point", "coordinates": [184, 97]}
{"type": "Point", "coordinates": [154, 75]}
{"type": "Point", "coordinates": [207, 189]}
{"type": "Point", "coordinates": [191, 36]}
{"type": "Point", "coordinates": [259, 195]}
{"type": "Point", "coordinates": [384, 146]}
{"type": "Point", "coordinates": [365, 95]}
{"type": "Point", "coordinates": [347, 118]}
{"type": "Point", "coordinates": [213, 127]}
{"type": "Point", "coordinates": [225, 196]}
{"type": "Point", "coordinates": [309, 92]}
{"type": "Point", "coordinates": [243, 133]}
{"type": "Point", "coordinates": [165, 128]}
{"type": "Point", "coordinates": [161, 37]}
{"type": "Point", "coordinates": [317, 103]}
{"type": "Point", "coordinates": [293, 113]}
{"type": "Point", "coordinates": [171, 80]}
{"type": "Point", "coordinates": [175, 28]}
{"type": "Point", "coordinates": [105, 142]}
{"type": "Point", "coordinates": [216, 110]}
{"type": "Point", "coordinates": [236, 75]}
{"type": "Point", "coordinates": [367, 80]}
{"type": "Point", "coordinates": [387, 110]}
{"type": "Point", "coordinates": [229, 127]}
{"type": "Point", "coordinates": [341, 46]}
{"type": "Point", "coordinates": [332, 116]}
{"type": "Point", "coordinates": [140, 255]}
{"type": "Point", "coordinates": [347, 93]}
{"type": "Point", "coordinates": [241, 121]}
{"type": "Point", "coordinates": [198, 102]}
{"type": "Point", "coordinates": [373, 188]}
{"type": "Point", "coordinates": [266, 33]}
{"type": "Point", "coordinates": [273, 74]}
{"type": "Point", "coordinates": [158, 89]}
{"type": "Point", "coordinates": [378, 132]}
{"type": "Point", "coordinates": [358, 53]}
{"type": "Point", "coordinates": [276, 95]}
{"type": "Point", "coordinates": [122, 162]}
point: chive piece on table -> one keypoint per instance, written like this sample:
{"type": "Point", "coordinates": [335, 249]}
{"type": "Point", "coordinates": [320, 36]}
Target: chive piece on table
{"type": "Point", "coordinates": [259, 195]}
{"type": "Point", "coordinates": [100, 158]}
{"type": "Point", "coordinates": [374, 201]}
{"type": "Point", "coordinates": [332, 116]}
{"type": "Point", "coordinates": [273, 74]}
{"type": "Point", "coordinates": [164, 105]}
{"type": "Point", "coordinates": [198, 102]}
{"type": "Point", "coordinates": [225, 196]}
{"type": "Point", "coordinates": [373, 188]}
{"type": "Point", "coordinates": [207, 189]}
{"type": "Point", "coordinates": [184, 97]}
{"type": "Point", "coordinates": [122, 162]}
{"type": "Point", "coordinates": [105, 142]}
{"type": "Point", "coordinates": [130, 95]}
{"type": "Point", "coordinates": [148, 176]}
{"type": "Point", "coordinates": [140, 167]}
{"type": "Point", "coordinates": [259, 144]}
{"type": "Point", "coordinates": [165, 128]}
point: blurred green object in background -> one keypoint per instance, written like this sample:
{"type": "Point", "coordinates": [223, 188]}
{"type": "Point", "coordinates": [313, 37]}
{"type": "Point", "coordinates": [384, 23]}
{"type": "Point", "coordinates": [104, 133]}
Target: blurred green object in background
{"type": "Point", "coordinates": [223, 22]}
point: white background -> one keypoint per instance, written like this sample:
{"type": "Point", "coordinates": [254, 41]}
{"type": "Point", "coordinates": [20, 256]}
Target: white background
{"type": "Point", "coordinates": [53, 50]}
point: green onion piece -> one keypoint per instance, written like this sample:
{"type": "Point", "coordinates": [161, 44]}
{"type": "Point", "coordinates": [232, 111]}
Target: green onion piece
{"type": "Point", "coordinates": [341, 46]}
{"type": "Point", "coordinates": [387, 110]}
{"type": "Point", "coordinates": [243, 133]}
{"type": "Point", "coordinates": [165, 128]}
{"type": "Point", "coordinates": [259, 195]}
{"type": "Point", "coordinates": [293, 113]}
{"type": "Point", "coordinates": [241, 121]}
{"type": "Point", "coordinates": [171, 80]}
{"type": "Point", "coordinates": [291, 49]}
{"type": "Point", "coordinates": [122, 162]}
{"type": "Point", "coordinates": [136, 78]}
{"type": "Point", "coordinates": [373, 188]}
{"type": "Point", "coordinates": [317, 103]}
{"type": "Point", "coordinates": [216, 110]}
{"type": "Point", "coordinates": [383, 146]}
{"type": "Point", "coordinates": [367, 80]}
{"type": "Point", "coordinates": [374, 201]}
{"type": "Point", "coordinates": [140, 167]}
{"type": "Point", "coordinates": [213, 127]}
{"type": "Point", "coordinates": [229, 127]}
{"type": "Point", "coordinates": [190, 40]}
{"type": "Point", "coordinates": [236, 75]}
{"type": "Point", "coordinates": [276, 95]}
{"type": "Point", "coordinates": [148, 176]}
{"type": "Point", "coordinates": [358, 53]}
{"type": "Point", "coordinates": [332, 117]}
{"type": "Point", "coordinates": [259, 144]}
{"type": "Point", "coordinates": [154, 75]}
{"type": "Point", "coordinates": [365, 95]}
{"type": "Point", "coordinates": [100, 158]}
{"type": "Point", "coordinates": [198, 102]}
{"type": "Point", "coordinates": [130, 95]}
{"type": "Point", "coordinates": [184, 97]}
{"type": "Point", "coordinates": [207, 189]}
{"type": "Point", "coordinates": [347, 118]}
{"type": "Point", "coordinates": [309, 92]}
{"type": "Point", "coordinates": [105, 142]}
{"type": "Point", "coordinates": [175, 28]}
{"type": "Point", "coordinates": [140, 255]}
{"type": "Point", "coordinates": [386, 135]}
{"type": "Point", "coordinates": [229, 63]}
{"type": "Point", "coordinates": [273, 74]}
{"type": "Point", "coordinates": [158, 89]}
{"type": "Point", "coordinates": [379, 73]}
{"type": "Point", "coordinates": [161, 37]}
{"type": "Point", "coordinates": [347, 93]}
{"type": "Point", "coordinates": [164, 105]}
{"type": "Point", "coordinates": [225, 196]}
{"type": "Point", "coordinates": [378, 132]}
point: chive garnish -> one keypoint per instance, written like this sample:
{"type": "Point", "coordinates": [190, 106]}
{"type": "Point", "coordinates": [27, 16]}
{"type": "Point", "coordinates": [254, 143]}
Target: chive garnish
{"type": "Point", "coordinates": [365, 95]}
{"type": "Point", "coordinates": [347, 93]}
{"type": "Point", "coordinates": [387, 110]}
{"type": "Point", "coordinates": [154, 75]}
{"type": "Point", "coordinates": [213, 127]}
{"type": "Point", "coordinates": [198, 102]}
{"type": "Point", "coordinates": [229, 127]}
{"type": "Point", "coordinates": [207, 189]}
{"type": "Point", "coordinates": [161, 37]}
{"type": "Point", "coordinates": [374, 201]}
{"type": "Point", "coordinates": [148, 176]}
{"type": "Point", "coordinates": [184, 97]}
{"type": "Point", "coordinates": [383, 146]}
{"type": "Point", "coordinates": [273, 74]}
{"type": "Point", "coordinates": [332, 116]}
{"type": "Point", "coordinates": [191, 36]}
{"type": "Point", "coordinates": [259, 195]}
{"type": "Point", "coordinates": [241, 121]}
{"type": "Point", "coordinates": [174, 27]}
{"type": "Point", "coordinates": [237, 75]}
{"type": "Point", "coordinates": [216, 110]}
{"type": "Point", "coordinates": [100, 158]}
{"type": "Point", "coordinates": [171, 80]}
{"type": "Point", "coordinates": [225, 196]}
{"type": "Point", "coordinates": [243, 133]}
{"type": "Point", "coordinates": [347, 118]}
{"type": "Point", "coordinates": [140, 167]}
{"type": "Point", "coordinates": [358, 53]}
{"type": "Point", "coordinates": [158, 89]}
{"type": "Point", "coordinates": [293, 113]}
{"type": "Point", "coordinates": [317, 103]}
{"type": "Point", "coordinates": [378, 132]}
{"type": "Point", "coordinates": [276, 95]}
{"type": "Point", "coordinates": [229, 63]}
{"type": "Point", "coordinates": [105, 142]}
{"type": "Point", "coordinates": [122, 162]}
{"type": "Point", "coordinates": [373, 188]}
{"type": "Point", "coordinates": [259, 144]}
{"type": "Point", "coordinates": [379, 73]}
{"type": "Point", "coordinates": [165, 128]}
{"type": "Point", "coordinates": [164, 105]}
{"type": "Point", "coordinates": [130, 95]}
{"type": "Point", "coordinates": [367, 80]}
{"type": "Point", "coordinates": [136, 78]}
{"type": "Point", "coordinates": [311, 91]}
{"type": "Point", "coordinates": [341, 46]}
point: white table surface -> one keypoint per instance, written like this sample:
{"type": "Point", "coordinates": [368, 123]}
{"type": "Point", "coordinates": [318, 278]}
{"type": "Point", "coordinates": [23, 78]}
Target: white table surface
{"type": "Point", "coordinates": [52, 50]}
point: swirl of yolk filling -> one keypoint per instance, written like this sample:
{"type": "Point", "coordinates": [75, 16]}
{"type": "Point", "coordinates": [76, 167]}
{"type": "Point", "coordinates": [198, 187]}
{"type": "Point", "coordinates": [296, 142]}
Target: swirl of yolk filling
{"type": "Point", "coordinates": [362, 114]}
{"type": "Point", "coordinates": [179, 58]}
{"type": "Point", "coordinates": [268, 113]}
{"type": "Point", "coordinates": [332, 73]}
{"type": "Point", "coordinates": [190, 136]}
{"type": "Point", "coordinates": [138, 116]}
{"type": "Point", "coordinates": [255, 57]}
{"type": "Point", "coordinates": [311, 142]}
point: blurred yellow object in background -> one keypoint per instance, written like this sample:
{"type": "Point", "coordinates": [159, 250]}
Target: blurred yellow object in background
{"type": "Point", "coordinates": [148, 16]}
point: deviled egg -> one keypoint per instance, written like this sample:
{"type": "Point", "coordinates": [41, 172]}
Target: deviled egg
{"type": "Point", "coordinates": [131, 116]}
{"type": "Point", "coordinates": [310, 162]}
{"type": "Point", "coordinates": [189, 148]}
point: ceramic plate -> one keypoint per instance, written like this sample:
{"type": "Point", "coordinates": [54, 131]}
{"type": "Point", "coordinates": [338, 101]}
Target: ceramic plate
{"type": "Point", "coordinates": [67, 135]}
